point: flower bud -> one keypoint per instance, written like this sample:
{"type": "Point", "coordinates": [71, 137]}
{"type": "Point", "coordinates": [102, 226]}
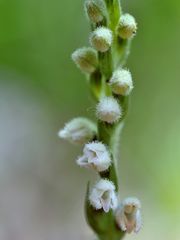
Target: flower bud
{"type": "Point", "coordinates": [101, 39]}
{"type": "Point", "coordinates": [108, 110]}
{"type": "Point", "coordinates": [128, 215]}
{"type": "Point", "coordinates": [127, 26]}
{"type": "Point", "coordinates": [96, 156]}
{"type": "Point", "coordinates": [78, 130]}
{"type": "Point", "coordinates": [95, 10]}
{"type": "Point", "coordinates": [121, 82]}
{"type": "Point", "coordinates": [85, 59]}
{"type": "Point", "coordinates": [103, 196]}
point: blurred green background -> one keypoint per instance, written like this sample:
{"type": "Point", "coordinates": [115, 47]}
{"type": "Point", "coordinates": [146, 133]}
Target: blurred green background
{"type": "Point", "coordinates": [42, 189]}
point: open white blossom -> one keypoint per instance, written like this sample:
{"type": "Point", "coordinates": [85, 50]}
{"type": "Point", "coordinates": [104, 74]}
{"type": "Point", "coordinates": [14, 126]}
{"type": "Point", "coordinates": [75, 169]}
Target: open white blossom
{"type": "Point", "coordinates": [101, 39]}
{"type": "Point", "coordinates": [127, 26]}
{"type": "Point", "coordinates": [108, 110]}
{"type": "Point", "coordinates": [128, 215]}
{"type": "Point", "coordinates": [103, 196]}
{"type": "Point", "coordinates": [121, 82]}
{"type": "Point", "coordinates": [79, 130]}
{"type": "Point", "coordinates": [96, 156]}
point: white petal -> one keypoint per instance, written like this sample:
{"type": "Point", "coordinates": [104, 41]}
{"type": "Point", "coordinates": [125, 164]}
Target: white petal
{"type": "Point", "coordinates": [138, 221]}
{"type": "Point", "coordinates": [114, 201]}
{"type": "Point", "coordinates": [82, 161]}
{"type": "Point", "coordinates": [106, 204]}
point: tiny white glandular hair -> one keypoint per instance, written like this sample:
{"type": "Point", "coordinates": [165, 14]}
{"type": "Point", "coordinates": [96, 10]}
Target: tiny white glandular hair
{"type": "Point", "coordinates": [127, 26]}
{"type": "Point", "coordinates": [101, 39]}
{"type": "Point", "coordinates": [86, 59]}
{"type": "Point", "coordinates": [103, 196]}
{"type": "Point", "coordinates": [95, 156]}
{"type": "Point", "coordinates": [95, 10]}
{"type": "Point", "coordinates": [108, 110]}
{"type": "Point", "coordinates": [121, 82]}
{"type": "Point", "coordinates": [128, 215]}
{"type": "Point", "coordinates": [79, 131]}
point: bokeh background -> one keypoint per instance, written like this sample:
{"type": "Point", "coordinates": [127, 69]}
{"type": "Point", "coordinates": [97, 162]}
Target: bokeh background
{"type": "Point", "coordinates": [41, 188]}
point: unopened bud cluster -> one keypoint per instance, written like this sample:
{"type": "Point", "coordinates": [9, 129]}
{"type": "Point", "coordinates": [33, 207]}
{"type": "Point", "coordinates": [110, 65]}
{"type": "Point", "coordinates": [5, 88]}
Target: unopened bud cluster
{"type": "Point", "coordinates": [97, 155]}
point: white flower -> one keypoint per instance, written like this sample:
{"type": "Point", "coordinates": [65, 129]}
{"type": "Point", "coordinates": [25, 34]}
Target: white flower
{"type": "Point", "coordinates": [103, 196]}
{"type": "Point", "coordinates": [121, 82]}
{"type": "Point", "coordinates": [85, 59]}
{"type": "Point", "coordinates": [128, 215]}
{"type": "Point", "coordinates": [127, 26]}
{"type": "Point", "coordinates": [96, 156]}
{"type": "Point", "coordinates": [101, 39]}
{"type": "Point", "coordinates": [78, 130]}
{"type": "Point", "coordinates": [108, 110]}
{"type": "Point", "coordinates": [95, 10]}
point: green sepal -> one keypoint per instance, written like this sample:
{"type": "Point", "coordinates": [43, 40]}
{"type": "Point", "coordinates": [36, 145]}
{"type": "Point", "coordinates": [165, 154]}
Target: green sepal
{"type": "Point", "coordinates": [121, 49]}
{"type": "Point", "coordinates": [95, 83]}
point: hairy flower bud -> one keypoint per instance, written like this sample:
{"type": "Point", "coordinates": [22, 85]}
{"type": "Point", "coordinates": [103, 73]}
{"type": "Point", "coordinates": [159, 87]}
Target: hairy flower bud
{"type": "Point", "coordinates": [103, 196]}
{"type": "Point", "coordinates": [128, 215]}
{"type": "Point", "coordinates": [85, 59]}
{"type": "Point", "coordinates": [127, 26]}
{"type": "Point", "coordinates": [121, 82]}
{"type": "Point", "coordinates": [95, 10]}
{"type": "Point", "coordinates": [101, 39]}
{"type": "Point", "coordinates": [78, 130]}
{"type": "Point", "coordinates": [108, 110]}
{"type": "Point", "coordinates": [96, 156]}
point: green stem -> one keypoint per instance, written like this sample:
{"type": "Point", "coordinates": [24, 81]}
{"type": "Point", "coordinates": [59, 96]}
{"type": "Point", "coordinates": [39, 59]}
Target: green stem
{"type": "Point", "coordinates": [103, 223]}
